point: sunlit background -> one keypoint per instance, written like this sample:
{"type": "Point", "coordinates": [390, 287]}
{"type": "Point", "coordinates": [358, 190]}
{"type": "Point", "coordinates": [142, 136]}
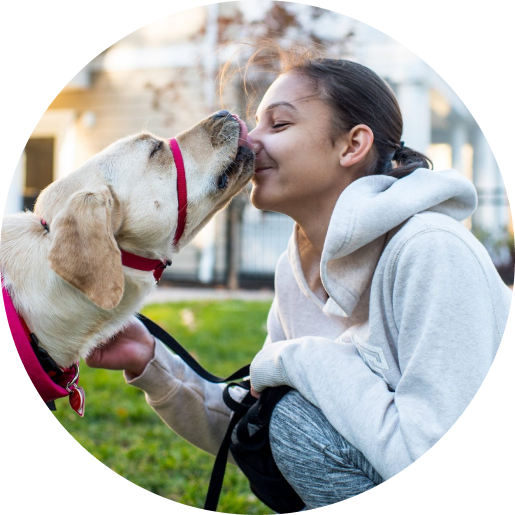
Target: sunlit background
{"type": "Point", "coordinates": [163, 78]}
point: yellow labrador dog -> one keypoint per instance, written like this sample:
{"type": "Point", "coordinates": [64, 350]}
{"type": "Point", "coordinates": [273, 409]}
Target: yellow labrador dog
{"type": "Point", "coordinates": [71, 266]}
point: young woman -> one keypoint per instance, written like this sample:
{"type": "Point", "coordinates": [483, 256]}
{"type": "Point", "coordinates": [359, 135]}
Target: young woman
{"type": "Point", "coordinates": [388, 313]}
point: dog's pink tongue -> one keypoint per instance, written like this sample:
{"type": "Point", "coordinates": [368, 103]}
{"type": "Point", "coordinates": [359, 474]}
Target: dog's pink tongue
{"type": "Point", "coordinates": [244, 132]}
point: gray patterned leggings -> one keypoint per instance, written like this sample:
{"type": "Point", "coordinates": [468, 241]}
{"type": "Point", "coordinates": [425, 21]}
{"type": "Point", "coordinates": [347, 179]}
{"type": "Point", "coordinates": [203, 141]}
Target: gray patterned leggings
{"type": "Point", "coordinates": [321, 466]}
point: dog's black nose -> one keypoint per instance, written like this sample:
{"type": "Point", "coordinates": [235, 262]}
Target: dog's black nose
{"type": "Point", "coordinates": [222, 114]}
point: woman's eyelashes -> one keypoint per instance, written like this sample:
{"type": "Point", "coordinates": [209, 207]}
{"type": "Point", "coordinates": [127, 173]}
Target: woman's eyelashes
{"type": "Point", "coordinates": [279, 125]}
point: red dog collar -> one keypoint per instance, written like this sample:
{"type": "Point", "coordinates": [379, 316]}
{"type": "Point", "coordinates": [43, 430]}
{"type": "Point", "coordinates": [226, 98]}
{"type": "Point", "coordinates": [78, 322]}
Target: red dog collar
{"type": "Point", "coordinates": [145, 264]}
{"type": "Point", "coordinates": [155, 265]}
{"type": "Point", "coordinates": [182, 192]}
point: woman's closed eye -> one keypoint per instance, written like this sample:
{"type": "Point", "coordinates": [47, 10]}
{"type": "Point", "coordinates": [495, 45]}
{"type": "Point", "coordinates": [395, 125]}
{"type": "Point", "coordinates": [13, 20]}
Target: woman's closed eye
{"type": "Point", "coordinates": [279, 125]}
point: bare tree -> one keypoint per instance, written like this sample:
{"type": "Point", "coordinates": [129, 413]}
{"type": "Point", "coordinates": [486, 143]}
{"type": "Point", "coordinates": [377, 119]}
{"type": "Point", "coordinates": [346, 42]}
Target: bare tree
{"type": "Point", "coordinates": [226, 23]}
{"type": "Point", "coordinates": [286, 24]}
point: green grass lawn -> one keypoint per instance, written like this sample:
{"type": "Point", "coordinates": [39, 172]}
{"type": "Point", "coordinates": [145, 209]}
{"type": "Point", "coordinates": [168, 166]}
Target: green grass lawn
{"type": "Point", "coordinates": [121, 430]}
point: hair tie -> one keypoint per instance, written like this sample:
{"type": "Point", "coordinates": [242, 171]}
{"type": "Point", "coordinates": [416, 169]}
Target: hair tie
{"type": "Point", "coordinates": [395, 156]}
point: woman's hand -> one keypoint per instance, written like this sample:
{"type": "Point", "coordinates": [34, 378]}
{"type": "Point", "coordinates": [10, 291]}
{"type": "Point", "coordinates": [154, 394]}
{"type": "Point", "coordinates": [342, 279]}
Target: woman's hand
{"type": "Point", "coordinates": [130, 350]}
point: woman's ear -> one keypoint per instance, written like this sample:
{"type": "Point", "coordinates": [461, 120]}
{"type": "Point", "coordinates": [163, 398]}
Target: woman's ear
{"type": "Point", "coordinates": [356, 145]}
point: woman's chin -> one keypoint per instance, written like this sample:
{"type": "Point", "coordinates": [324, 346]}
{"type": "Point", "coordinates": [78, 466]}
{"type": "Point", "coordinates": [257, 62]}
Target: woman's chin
{"type": "Point", "coordinates": [259, 197]}
{"type": "Point", "coordinates": [256, 199]}
{"type": "Point", "coordinates": [267, 193]}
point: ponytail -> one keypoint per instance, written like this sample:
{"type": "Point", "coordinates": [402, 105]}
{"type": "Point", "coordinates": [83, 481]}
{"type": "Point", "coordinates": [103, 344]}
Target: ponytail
{"type": "Point", "coordinates": [406, 161]}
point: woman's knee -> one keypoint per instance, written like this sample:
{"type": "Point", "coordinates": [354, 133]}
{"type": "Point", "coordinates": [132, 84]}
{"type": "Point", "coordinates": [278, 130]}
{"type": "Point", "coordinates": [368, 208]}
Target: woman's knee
{"type": "Point", "coordinates": [313, 457]}
{"type": "Point", "coordinates": [298, 430]}
{"type": "Point", "coordinates": [302, 437]}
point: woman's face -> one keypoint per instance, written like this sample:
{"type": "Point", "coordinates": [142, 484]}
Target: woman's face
{"type": "Point", "coordinates": [297, 166]}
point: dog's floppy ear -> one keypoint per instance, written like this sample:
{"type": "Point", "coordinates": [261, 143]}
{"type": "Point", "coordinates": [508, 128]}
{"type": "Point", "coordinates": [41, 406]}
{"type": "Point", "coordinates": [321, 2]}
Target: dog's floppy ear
{"type": "Point", "coordinates": [83, 250]}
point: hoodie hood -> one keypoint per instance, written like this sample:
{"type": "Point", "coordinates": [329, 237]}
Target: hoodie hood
{"type": "Point", "coordinates": [366, 211]}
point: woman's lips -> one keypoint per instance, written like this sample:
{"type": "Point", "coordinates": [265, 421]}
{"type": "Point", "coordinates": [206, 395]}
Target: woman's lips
{"type": "Point", "coordinates": [261, 169]}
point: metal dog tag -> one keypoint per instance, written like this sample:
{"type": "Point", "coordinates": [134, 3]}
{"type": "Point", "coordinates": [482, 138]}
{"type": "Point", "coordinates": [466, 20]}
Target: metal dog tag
{"type": "Point", "coordinates": [77, 399]}
{"type": "Point", "coordinates": [76, 394]}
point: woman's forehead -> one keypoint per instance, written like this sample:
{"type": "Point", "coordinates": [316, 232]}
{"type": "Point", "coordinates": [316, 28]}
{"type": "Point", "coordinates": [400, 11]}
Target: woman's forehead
{"type": "Point", "coordinates": [289, 91]}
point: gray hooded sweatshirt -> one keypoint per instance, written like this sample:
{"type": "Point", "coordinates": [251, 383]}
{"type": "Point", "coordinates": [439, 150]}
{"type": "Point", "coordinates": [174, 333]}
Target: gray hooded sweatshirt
{"type": "Point", "coordinates": [390, 333]}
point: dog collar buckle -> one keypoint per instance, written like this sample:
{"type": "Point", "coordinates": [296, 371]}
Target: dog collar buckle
{"type": "Point", "coordinates": [159, 269]}
{"type": "Point", "coordinates": [76, 394]}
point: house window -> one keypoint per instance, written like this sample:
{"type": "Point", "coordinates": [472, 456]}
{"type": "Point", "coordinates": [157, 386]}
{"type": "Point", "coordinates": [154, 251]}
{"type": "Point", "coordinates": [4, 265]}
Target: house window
{"type": "Point", "coordinates": [39, 169]}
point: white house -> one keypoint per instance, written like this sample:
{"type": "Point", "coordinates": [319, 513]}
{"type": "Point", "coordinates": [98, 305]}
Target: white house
{"type": "Point", "coordinates": [162, 78]}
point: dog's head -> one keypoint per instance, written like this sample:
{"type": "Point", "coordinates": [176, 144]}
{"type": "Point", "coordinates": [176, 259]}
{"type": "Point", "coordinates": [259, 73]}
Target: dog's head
{"type": "Point", "coordinates": [125, 197]}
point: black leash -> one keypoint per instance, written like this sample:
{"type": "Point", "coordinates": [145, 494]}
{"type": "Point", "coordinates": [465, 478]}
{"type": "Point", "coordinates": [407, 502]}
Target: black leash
{"type": "Point", "coordinates": [217, 476]}
{"type": "Point", "coordinates": [176, 347]}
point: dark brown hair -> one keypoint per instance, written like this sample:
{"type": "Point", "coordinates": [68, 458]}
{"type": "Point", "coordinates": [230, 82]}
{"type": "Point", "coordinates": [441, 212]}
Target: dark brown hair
{"type": "Point", "coordinates": [355, 94]}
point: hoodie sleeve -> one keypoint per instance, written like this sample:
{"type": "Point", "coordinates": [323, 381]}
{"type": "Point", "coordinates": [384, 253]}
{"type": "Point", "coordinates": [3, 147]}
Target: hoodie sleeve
{"type": "Point", "coordinates": [442, 318]}
{"type": "Point", "coordinates": [187, 404]}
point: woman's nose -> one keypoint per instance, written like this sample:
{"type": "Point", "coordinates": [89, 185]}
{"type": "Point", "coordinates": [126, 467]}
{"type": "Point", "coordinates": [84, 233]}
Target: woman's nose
{"type": "Point", "coordinates": [253, 140]}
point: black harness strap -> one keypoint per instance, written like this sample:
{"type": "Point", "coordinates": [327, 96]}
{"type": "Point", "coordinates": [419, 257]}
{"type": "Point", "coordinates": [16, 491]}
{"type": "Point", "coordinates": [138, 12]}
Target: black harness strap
{"type": "Point", "coordinates": [46, 362]}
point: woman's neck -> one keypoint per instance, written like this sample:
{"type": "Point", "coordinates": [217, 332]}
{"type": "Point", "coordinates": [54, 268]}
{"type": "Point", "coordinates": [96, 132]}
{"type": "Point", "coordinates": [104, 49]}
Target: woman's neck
{"type": "Point", "coordinates": [314, 218]}
{"type": "Point", "coordinates": [313, 215]}
{"type": "Point", "coordinates": [315, 232]}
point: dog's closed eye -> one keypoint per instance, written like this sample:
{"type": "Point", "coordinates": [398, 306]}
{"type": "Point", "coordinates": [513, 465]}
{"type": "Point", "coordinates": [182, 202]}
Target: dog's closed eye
{"type": "Point", "coordinates": [158, 146]}
{"type": "Point", "coordinates": [222, 181]}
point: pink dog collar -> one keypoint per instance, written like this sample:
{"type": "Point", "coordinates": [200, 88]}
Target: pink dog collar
{"type": "Point", "coordinates": [48, 387]}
